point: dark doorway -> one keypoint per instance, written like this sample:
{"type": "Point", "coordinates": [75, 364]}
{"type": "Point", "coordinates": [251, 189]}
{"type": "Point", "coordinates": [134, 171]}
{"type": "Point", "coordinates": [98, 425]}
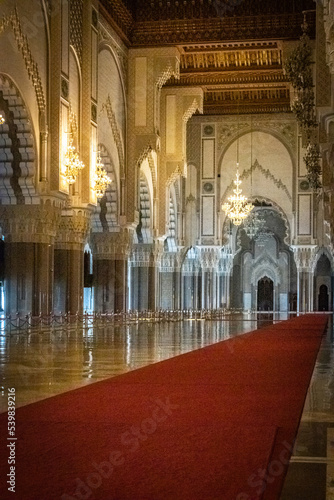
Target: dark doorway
{"type": "Point", "coordinates": [323, 298]}
{"type": "Point", "coordinates": [265, 294]}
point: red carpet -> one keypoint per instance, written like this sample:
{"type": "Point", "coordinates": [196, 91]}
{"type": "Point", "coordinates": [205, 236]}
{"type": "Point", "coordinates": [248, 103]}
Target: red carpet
{"type": "Point", "coordinates": [216, 423]}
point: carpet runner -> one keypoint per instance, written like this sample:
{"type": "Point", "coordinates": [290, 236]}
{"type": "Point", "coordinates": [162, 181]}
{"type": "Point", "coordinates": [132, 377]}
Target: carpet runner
{"type": "Point", "coordinates": [215, 423]}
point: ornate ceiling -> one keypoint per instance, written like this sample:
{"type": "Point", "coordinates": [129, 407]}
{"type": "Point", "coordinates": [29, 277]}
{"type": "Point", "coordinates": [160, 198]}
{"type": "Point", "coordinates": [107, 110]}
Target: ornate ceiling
{"type": "Point", "coordinates": [233, 49]}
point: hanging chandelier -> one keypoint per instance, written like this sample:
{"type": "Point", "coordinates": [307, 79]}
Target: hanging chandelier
{"type": "Point", "coordinates": [72, 163]}
{"type": "Point", "coordinates": [237, 208]}
{"type": "Point", "coordinates": [101, 179]}
{"type": "Point", "coordinates": [254, 224]}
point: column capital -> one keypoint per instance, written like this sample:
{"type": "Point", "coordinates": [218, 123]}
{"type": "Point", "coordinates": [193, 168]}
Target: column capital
{"type": "Point", "coordinates": [209, 258]}
{"type": "Point", "coordinates": [111, 246]}
{"type": "Point", "coordinates": [73, 229]}
{"type": "Point", "coordinates": [304, 256]}
{"type": "Point", "coordinates": [30, 223]}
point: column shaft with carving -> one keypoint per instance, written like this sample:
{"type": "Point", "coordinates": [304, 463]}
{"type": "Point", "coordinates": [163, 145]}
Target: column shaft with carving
{"type": "Point", "coordinates": [69, 255]}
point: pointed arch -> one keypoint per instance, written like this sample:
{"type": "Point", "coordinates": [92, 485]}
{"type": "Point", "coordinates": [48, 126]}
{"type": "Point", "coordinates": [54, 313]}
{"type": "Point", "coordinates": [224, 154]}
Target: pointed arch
{"type": "Point", "coordinates": [106, 214]}
{"type": "Point", "coordinates": [18, 171]}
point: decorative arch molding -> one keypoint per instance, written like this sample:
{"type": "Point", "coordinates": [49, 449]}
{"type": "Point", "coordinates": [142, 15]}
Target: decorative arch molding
{"type": "Point", "coordinates": [150, 156]}
{"type": "Point", "coordinates": [107, 107]}
{"type": "Point", "coordinates": [230, 132]}
{"type": "Point", "coordinates": [279, 210]}
{"type": "Point", "coordinates": [106, 214]}
{"type": "Point", "coordinates": [266, 173]}
{"type": "Point", "coordinates": [322, 251]}
{"type": "Point", "coordinates": [73, 50]}
{"type": "Point", "coordinates": [167, 73]}
{"type": "Point", "coordinates": [17, 148]}
{"type": "Point", "coordinates": [274, 206]}
{"type": "Point", "coordinates": [327, 120]}
{"type": "Point", "coordinates": [143, 232]}
{"type": "Point", "coordinates": [107, 41]}
{"type": "Point", "coordinates": [195, 105]}
{"type": "Point", "coordinates": [265, 267]}
{"type": "Point", "coordinates": [13, 21]}
{"type": "Point", "coordinates": [115, 52]}
{"type": "Point", "coordinates": [177, 174]}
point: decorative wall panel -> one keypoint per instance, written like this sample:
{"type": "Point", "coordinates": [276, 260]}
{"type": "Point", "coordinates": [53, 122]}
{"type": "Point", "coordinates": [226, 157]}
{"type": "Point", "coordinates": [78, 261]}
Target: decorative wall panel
{"type": "Point", "coordinates": [208, 158]}
{"type": "Point", "coordinates": [140, 91]}
{"type": "Point", "coordinates": [304, 214]}
{"type": "Point", "coordinates": [208, 216]}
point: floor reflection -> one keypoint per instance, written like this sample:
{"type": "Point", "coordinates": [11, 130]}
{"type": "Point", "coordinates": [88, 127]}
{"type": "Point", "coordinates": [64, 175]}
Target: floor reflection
{"type": "Point", "coordinates": [40, 365]}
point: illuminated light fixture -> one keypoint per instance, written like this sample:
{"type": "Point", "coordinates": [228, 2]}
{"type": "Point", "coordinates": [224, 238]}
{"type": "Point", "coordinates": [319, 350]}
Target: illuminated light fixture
{"type": "Point", "coordinates": [101, 179]}
{"type": "Point", "coordinates": [2, 120]}
{"type": "Point", "coordinates": [237, 208]}
{"type": "Point", "coordinates": [254, 224]}
{"type": "Point", "coordinates": [72, 163]}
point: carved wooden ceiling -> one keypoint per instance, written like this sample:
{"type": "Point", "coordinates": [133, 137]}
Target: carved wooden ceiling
{"type": "Point", "coordinates": [233, 49]}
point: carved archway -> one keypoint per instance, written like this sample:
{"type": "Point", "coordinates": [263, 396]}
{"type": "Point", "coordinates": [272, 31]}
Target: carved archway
{"type": "Point", "coordinates": [17, 148]}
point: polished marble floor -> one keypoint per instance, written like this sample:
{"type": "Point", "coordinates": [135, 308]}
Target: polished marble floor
{"type": "Point", "coordinates": [41, 364]}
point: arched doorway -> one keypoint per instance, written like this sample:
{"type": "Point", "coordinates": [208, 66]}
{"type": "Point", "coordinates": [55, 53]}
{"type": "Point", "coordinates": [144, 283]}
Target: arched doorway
{"type": "Point", "coordinates": [323, 298]}
{"type": "Point", "coordinates": [265, 294]}
{"type": "Point", "coordinates": [323, 292]}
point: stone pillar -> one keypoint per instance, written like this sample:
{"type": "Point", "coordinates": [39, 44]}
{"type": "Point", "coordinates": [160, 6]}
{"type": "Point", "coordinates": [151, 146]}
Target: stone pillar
{"type": "Point", "coordinates": [121, 284]}
{"type": "Point", "coordinates": [143, 278]}
{"type": "Point", "coordinates": [203, 292]}
{"type": "Point", "coordinates": [69, 261]}
{"type": "Point", "coordinates": [177, 289]}
{"type": "Point", "coordinates": [29, 233]}
{"type": "Point", "coordinates": [110, 271]}
{"type": "Point", "coordinates": [28, 278]}
{"type": "Point", "coordinates": [304, 258]}
{"type": "Point", "coordinates": [152, 286]}
{"type": "Point", "coordinates": [209, 261]}
{"type": "Point", "coordinates": [134, 287]}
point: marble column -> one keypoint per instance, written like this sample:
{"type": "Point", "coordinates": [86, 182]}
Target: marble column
{"type": "Point", "coordinates": [28, 278]}
{"type": "Point", "coordinates": [110, 271]}
{"type": "Point", "coordinates": [29, 235]}
{"type": "Point", "coordinates": [69, 262]}
{"type": "Point", "coordinates": [304, 257]}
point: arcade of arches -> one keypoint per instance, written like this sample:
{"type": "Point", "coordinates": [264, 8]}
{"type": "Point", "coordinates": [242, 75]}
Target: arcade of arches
{"type": "Point", "coordinates": [169, 115]}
